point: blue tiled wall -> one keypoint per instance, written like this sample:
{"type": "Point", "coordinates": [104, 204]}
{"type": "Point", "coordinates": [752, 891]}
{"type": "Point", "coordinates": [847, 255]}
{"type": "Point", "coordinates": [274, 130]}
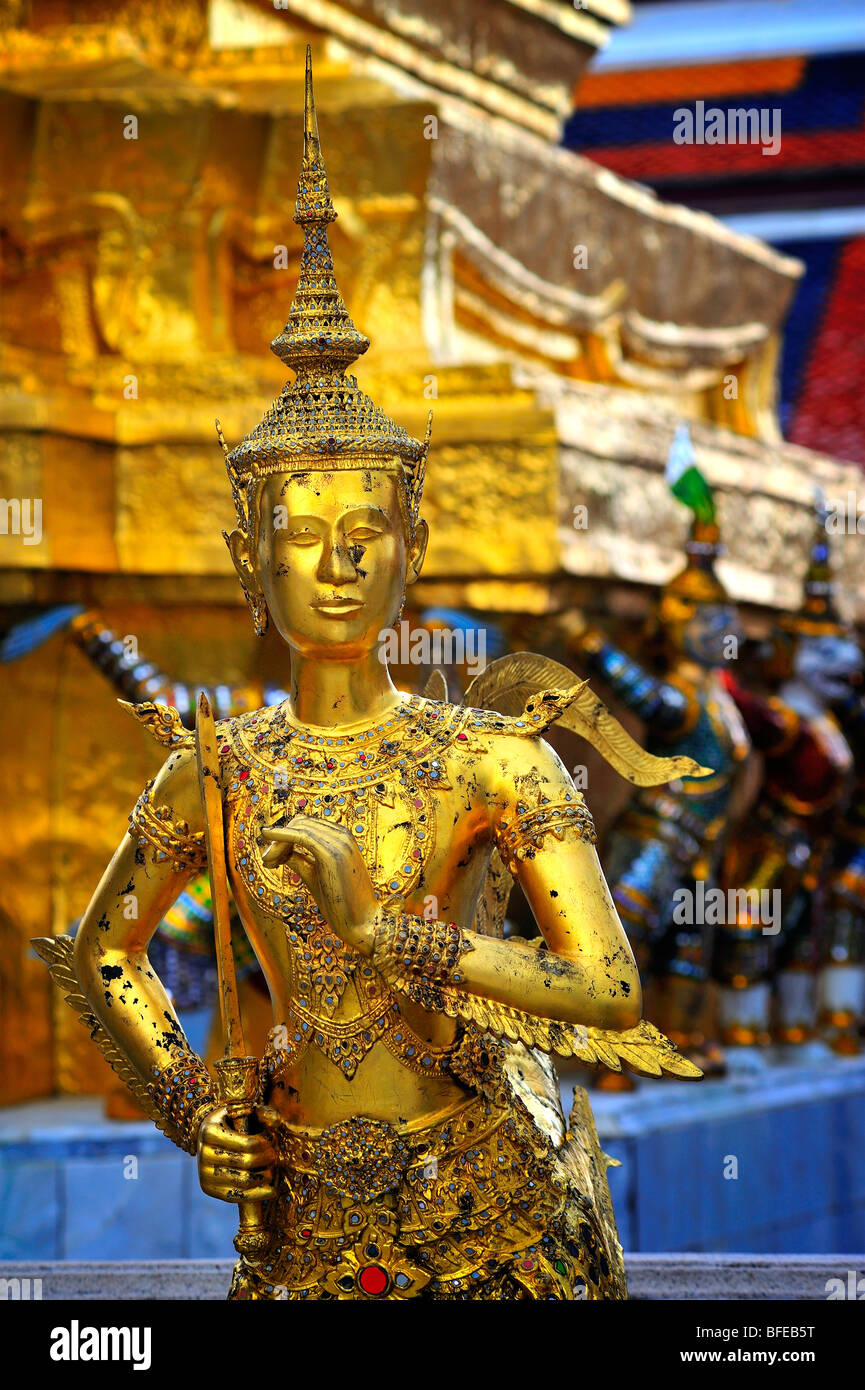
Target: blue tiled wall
{"type": "Point", "coordinates": [105, 1191]}
{"type": "Point", "coordinates": [798, 1138]}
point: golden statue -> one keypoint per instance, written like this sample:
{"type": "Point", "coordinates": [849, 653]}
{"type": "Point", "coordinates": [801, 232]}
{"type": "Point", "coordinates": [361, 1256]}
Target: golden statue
{"type": "Point", "coordinates": [402, 1135]}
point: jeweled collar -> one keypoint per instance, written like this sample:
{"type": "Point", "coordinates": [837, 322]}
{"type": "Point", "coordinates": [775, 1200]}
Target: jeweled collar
{"type": "Point", "coordinates": [279, 720]}
{"type": "Point", "coordinates": [415, 734]}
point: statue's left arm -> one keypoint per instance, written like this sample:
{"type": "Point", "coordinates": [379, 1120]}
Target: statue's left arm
{"type": "Point", "coordinates": [586, 974]}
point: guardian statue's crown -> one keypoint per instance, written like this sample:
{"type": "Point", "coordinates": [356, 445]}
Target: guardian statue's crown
{"type": "Point", "coordinates": [321, 420]}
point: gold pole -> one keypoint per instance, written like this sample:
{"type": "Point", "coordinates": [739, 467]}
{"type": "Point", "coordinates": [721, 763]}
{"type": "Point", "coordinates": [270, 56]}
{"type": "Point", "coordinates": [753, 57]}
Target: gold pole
{"type": "Point", "coordinates": [236, 1073]}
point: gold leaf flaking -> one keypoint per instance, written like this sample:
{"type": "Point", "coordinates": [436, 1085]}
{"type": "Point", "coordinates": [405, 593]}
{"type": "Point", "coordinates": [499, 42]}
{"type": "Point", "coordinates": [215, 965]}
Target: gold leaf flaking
{"type": "Point", "coordinates": [57, 952]}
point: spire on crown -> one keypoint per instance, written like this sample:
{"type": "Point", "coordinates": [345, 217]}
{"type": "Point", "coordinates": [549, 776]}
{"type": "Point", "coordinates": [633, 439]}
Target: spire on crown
{"type": "Point", "coordinates": [319, 331]}
{"type": "Point", "coordinates": [321, 419]}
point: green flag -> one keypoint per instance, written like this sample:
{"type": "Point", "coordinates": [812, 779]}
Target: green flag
{"type": "Point", "coordinates": [684, 478]}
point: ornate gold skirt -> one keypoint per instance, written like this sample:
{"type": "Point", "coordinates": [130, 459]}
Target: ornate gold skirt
{"type": "Point", "coordinates": [496, 1201]}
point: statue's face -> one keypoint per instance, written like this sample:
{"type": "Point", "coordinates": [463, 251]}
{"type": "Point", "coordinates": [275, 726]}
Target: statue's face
{"type": "Point", "coordinates": [332, 558]}
{"type": "Point", "coordinates": [705, 636]}
{"type": "Point", "coordinates": [830, 665]}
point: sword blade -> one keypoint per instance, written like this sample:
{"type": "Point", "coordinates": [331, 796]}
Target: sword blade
{"type": "Point", "coordinates": [211, 799]}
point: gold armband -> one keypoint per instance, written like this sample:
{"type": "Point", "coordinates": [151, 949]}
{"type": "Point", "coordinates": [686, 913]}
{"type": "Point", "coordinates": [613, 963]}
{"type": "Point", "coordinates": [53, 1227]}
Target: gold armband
{"type": "Point", "coordinates": [413, 949]}
{"type": "Point", "coordinates": [521, 837]}
{"type": "Point", "coordinates": [184, 1094]}
{"type": "Point", "coordinates": [169, 840]}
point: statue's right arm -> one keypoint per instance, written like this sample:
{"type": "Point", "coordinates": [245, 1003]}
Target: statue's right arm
{"type": "Point", "coordinates": [133, 896]}
{"type": "Point", "coordinates": [139, 885]}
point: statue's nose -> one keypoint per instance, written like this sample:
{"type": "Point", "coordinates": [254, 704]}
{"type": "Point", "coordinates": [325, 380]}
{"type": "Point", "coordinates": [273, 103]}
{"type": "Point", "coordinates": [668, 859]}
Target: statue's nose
{"type": "Point", "coordinates": [335, 566]}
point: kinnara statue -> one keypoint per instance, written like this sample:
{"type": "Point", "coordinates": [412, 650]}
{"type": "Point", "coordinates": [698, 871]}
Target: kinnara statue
{"type": "Point", "coordinates": [402, 1135]}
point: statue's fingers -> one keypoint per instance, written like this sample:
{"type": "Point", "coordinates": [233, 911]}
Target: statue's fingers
{"type": "Point", "coordinates": [318, 838]}
{"type": "Point", "coordinates": [301, 830]}
{"type": "Point", "coordinates": [287, 852]}
{"type": "Point", "coordinates": [265, 1192]}
{"type": "Point", "coordinates": [284, 842]}
{"type": "Point", "coordinates": [239, 1177]}
{"type": "Point", "coordinates": [321, 832]}
{"type": "Point", "coordinates": [222, 1137]}
{"type": "Point", "coordinates": [276, 854]}
{"type": "Point", "coordinates": [236, 1192]}
{"type": "Point", "coordinates": [322, 837]}
{"type": "Point", "coordinates": [268, 1116]}
{"type": "Point", "coordinates": [260, 1157]}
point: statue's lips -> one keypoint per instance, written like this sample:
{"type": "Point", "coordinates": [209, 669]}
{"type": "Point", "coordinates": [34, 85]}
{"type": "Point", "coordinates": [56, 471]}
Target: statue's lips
{"type": "Point", "coordinates": [338, 607]}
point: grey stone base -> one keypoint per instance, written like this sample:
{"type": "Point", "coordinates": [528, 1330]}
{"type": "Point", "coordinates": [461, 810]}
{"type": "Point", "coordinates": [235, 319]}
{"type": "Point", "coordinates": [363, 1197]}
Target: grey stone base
{"type": "Point", "coordinates": [737, 1278]}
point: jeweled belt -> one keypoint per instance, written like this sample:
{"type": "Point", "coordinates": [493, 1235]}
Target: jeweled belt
{"type": "Point", "coordinates": [363, 1158]}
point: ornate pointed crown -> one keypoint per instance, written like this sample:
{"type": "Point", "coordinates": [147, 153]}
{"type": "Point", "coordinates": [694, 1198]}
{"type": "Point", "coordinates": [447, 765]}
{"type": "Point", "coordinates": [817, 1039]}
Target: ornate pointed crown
{"type": "Point", "coordinates": [321, 420]}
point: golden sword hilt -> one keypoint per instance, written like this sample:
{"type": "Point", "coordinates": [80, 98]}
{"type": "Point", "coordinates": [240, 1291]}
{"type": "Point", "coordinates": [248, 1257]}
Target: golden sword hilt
{"type": "Point", "coordinates": [237, 1082]}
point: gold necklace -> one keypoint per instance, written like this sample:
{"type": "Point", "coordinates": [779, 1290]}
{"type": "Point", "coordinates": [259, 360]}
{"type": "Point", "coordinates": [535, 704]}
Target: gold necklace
{"type": "Point", "coordinates": [276, 770]}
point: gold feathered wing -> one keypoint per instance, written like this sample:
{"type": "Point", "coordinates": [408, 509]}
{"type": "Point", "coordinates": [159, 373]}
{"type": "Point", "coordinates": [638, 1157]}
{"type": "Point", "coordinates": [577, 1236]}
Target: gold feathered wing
{"type": "Point", "coordinates": [57, 952]}
{"type": "Point", "coordinates": [584, 1150]}
{"type": "Point", "coordinates": [507, 684]}
{"type": "Point", "coordinates": [436, 687]}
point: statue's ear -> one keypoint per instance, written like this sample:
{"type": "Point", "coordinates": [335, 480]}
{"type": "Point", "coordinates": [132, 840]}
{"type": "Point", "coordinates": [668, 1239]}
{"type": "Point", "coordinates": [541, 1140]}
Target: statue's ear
{"type": "Point", "coordinates": [238, 548]}
{"type": "Point", "coordinates": [417, 552]}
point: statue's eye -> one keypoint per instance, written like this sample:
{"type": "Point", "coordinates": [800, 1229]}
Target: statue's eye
{"type": "Point", "coordinates": [363, 533]}
{"type": "Point", "coordinates": [304, 537]}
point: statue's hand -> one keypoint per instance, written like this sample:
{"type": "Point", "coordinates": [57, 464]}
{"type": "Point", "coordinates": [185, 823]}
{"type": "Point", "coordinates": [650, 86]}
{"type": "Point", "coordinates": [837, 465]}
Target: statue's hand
{"type": "Point", "coordinates": [237, 1167]}
{"type": "Point", "coordinates": [328, 860]}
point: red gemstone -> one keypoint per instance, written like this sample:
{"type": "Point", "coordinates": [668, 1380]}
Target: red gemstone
{"type": "Point", "coordinates": [225, 748]}
{"type": "Point", "coordinates": [528, 1264]}
{"type": "Point", "coordinates": [244, 774]}
{"type": "Point", "coordinates": [372, 1279]}
{"type": "Point", "coordinates": [462, 737]}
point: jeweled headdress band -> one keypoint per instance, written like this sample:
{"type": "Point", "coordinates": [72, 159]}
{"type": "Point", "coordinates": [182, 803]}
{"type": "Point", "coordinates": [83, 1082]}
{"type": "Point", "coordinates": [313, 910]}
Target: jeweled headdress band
{"type": "Point", "coordinates": [322, 420]}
